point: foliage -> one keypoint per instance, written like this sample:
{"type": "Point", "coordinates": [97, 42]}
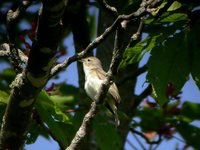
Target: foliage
{"type": "Point", "coordinates": [172, 40]}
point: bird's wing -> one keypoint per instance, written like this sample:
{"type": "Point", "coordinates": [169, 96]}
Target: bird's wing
{"type": "Point", "coordinates": [113, 91]}
{"type": "Point", "coordinates": [100, 73]}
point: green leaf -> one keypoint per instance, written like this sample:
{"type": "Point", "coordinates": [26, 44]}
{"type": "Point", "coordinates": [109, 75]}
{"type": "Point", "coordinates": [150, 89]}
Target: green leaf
{"type": "Point", "coordinates": [132, 55]}
{"type": "Point", "coordinates": [153, 42]}
{"type": "Point", "coordinates": [194, 47]}
{"type": "Point", "coordinates": [174, 6]}
{"type": "Point", "coordinates": [34, 131]}
{"type": "Point", "coordinates": [8, 75]}
{"type": "Point", "coordinates": [68, 90]}
{"type": "Point", "coordinates": [157, 34]}
{"type": "Point", "coordinates": [174, 18]}
{"type": "Point", "coordinates": [106, 134]}
{"type": "Point", "coordinates": [148, 117]}
{"type": "Point", "coordinates": [158, 8]}
{"type": "Point", "coordinates": [3, 97]}
{"type": "Point", "coordinates": [58, 132]}
{"type": "Point", "coordinates": [191, 111]}
{"type": "Point", "coordinates": [54, 107]}
{"type": "Point", "coordinates": [190, 133]}
{"type": "Point", "coordinates": [62, 101]}
{"type": "Point", "coordinates": [135, 54]}
{"type": "Point", "coordinates": [168, 63]}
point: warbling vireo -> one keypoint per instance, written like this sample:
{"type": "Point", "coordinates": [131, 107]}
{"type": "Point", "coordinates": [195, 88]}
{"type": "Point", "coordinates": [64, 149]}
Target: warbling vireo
{"type": "Point", "coordinates": [94, 76]}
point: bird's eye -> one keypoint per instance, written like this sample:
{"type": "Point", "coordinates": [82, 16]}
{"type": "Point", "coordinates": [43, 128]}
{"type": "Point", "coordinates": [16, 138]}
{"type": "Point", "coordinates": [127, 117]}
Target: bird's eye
{"type": "Point", "coordinates": [88, 60]}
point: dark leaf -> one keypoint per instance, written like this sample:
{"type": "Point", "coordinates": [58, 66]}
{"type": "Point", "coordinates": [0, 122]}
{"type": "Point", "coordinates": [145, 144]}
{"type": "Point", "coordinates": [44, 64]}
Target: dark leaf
{"type": "Point", "coordinates": [191, 111]}
{"type": "Point", "coordinates": [168, 64]}
{"type": "Point", "coordinates": [106, 134]}
{"type": "Point", "coordinates": [190, 133]}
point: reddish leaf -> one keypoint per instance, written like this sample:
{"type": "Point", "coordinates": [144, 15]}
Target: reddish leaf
{"type": "Point", "coordinates": [149, 104]}
{"type": "Point", "coordinates": [170, 89]}
{"type": "Point", "coordinates": [150, 135]}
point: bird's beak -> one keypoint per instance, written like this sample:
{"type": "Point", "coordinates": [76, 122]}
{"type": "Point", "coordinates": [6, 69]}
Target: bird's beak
{"type": "Point", "coordinates": [81, 60]}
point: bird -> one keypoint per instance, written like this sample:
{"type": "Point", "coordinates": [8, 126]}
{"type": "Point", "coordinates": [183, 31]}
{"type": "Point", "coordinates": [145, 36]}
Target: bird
{"type": "Point", "coordinates": [94, 77]}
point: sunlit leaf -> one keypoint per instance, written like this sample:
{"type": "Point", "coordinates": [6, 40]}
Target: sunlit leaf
{"type": "Point", "coordinates": [53, 124]}
{"type": "Point", "coordinates": [158, 8]}
{"type": "Point", "coordinates": [53, 107]}
{"type": "Point", "coordinates": [174, 17]}
{"type": "Point", "coordinates": [157, 34]}
{"type": "Point", "coordinates": [174, 6]}
{"type": "Point", "coordinates": [134, 54]}
{"type": "Point", "coordinates": [8, 73]}
{"type": "Point", "coordinates": [62, 101]}
{"type": "Point", "coordinates": [3, 97]}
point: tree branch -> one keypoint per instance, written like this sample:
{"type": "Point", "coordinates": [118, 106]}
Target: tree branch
{"type": "Point", "coordinates": [5, 51]}
{"type": "Point", "coordinates": [12, 17]}
{"type": "Point", "coordinates": [110, 9]}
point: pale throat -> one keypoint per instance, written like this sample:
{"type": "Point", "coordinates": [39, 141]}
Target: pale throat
{"type": "Point", "coordinates": [87, 71]}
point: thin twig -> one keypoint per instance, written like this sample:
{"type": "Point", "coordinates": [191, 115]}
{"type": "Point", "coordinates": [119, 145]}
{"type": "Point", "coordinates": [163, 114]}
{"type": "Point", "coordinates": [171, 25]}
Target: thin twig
{"type": "Point", "coordinates": [156, 146]}
{"type": "Point", "coordinates": [150, 147]}
{"type": "Point", "coordinates": [136, 35]}
{"type": "Point", "coordinates": [112, 10]}
{"type": "Point", "coordinates": [80, 134]}
{"type": "Point", "coordinates": [146, 139]}
{"type": "Point", "coordinates": [133, 146]}
{"type": "Point", "coordinates": [139, 142]}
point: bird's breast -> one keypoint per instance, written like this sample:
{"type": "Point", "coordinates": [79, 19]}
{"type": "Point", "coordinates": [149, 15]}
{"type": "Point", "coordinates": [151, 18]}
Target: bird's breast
{"type": "Point", "coordinates": [92, 85]}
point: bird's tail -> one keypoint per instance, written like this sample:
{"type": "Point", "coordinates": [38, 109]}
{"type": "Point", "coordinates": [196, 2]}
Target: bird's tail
{"type": "Point", "coordinates": [111, 105]}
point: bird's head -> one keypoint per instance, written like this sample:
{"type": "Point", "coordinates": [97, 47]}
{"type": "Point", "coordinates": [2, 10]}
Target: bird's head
{"type": "Point", "coordinates": [91, 62]}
